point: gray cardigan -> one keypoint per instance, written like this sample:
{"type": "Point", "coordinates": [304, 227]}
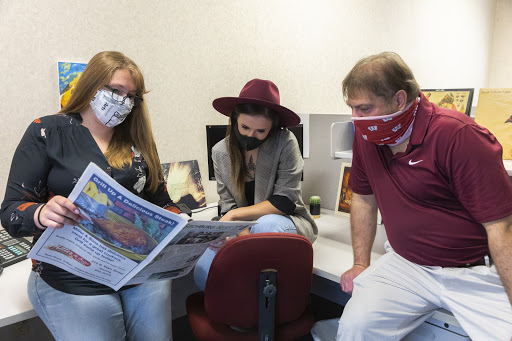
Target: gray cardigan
{"type": "Point", "coordinates": [278, 172]}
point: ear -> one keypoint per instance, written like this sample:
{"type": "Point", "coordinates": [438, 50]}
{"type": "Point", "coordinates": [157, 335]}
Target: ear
{"type": "Point", "coordinates": [401, 99]}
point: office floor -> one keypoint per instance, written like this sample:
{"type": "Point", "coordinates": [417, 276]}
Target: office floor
{"type": "Point", "coordinates": [182, 331]}
{"type": "Point", "coordinates": [29, 330]}
{"type": "Point", "coordinates": [34, 329]}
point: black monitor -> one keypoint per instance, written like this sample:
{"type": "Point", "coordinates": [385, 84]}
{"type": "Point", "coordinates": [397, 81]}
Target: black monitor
{"type": "Point", "coordinates": [215, 133]}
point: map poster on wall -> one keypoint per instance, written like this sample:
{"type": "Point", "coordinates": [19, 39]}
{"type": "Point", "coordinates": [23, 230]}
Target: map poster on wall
{"type": "Point", "coordinates": [494, 111]}
{"type": "Point", "coordinates": [455, 99]}
{"type": "Point", "coordinates": [69, 73]}
{"type": "Point", "coordinates": [184, 183]}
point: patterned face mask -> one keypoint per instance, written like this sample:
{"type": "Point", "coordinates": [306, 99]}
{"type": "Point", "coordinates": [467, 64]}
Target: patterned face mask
{"type": "Point", "coordinates": [388, 129]}
{"type": "Point", "coordinates": [108, 110]}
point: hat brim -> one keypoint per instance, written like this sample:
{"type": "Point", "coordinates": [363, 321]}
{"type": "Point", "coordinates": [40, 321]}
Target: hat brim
{"type": "Point", "coordinates": [225, 106]}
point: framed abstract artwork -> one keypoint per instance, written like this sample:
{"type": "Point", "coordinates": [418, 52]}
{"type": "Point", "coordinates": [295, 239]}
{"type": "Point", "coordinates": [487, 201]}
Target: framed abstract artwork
{"type": "Point", "coordinates": [344, 192]}
{"type": "Point", "coordinates": [69, 73]}
{"type": "Point", "coordinates": [455, 99]}
{"type": "Point", "coordinates": [184, 183]}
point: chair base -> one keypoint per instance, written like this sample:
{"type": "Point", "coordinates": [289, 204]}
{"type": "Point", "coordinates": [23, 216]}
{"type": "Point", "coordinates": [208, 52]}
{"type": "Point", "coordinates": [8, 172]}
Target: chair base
{"type": "Point", "coordinates": [206, 330]}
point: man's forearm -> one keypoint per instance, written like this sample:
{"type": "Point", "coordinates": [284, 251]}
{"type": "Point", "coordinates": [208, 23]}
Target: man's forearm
{"type": "Point", "coordinates": [500, 244]}
{"type": "Point", "coordinates": [502, 256]}
{"type": "Point", "coordinates": [363, 222]}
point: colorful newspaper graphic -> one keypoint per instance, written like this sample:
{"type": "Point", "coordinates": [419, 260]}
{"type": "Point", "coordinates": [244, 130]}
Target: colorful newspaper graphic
{"type": "Point", "coordinates": [125, 239]}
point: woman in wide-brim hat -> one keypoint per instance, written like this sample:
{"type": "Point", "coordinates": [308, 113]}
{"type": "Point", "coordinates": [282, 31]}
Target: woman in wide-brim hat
{"type": "Point", "coordinates": [258, 167]}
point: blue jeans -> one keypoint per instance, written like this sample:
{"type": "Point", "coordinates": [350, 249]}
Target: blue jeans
{"type": "Point", "coordinates": [140, 313]}
{"type": "Point", "coordinates": [267, 223]}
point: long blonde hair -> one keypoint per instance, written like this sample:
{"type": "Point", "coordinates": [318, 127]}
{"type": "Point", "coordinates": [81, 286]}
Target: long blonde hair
{"type": "Point", "coordinates": [135, 129]}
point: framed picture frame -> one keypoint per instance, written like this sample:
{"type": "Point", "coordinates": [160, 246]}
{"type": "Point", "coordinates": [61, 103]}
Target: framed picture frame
{"type": "Point", "coordinates": [455, 99]}
{"type": "Point", "coordinates": [69, 73]}
{"type": "Point", "coordinates": [494, 112]}
{"type": "Point", "coordinates": [344, 192]}
{"type": "Point", "coordinates": [184, 183]}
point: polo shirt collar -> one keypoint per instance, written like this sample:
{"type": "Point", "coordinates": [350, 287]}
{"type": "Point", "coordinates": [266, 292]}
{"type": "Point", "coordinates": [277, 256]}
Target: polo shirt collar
{"type": "Point", "coordinates": [421, 122]}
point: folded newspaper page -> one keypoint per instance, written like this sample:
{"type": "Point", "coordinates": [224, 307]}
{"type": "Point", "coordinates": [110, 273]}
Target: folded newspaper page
{"type": "Point", "coordinates": [124, 239]}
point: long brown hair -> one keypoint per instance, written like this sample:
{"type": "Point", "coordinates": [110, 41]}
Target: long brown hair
{"type": "Point", "coordinates": [382, 75]}
{"type": "Point", "coordinates": [236, 153]}
{"type": "Point", "coordinates": [135, 129]}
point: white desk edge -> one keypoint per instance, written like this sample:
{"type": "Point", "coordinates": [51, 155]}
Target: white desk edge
{"type": "Point", "coordinates": [15, 305]}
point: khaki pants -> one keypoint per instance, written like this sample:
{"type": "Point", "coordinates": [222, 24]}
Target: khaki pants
{"type": "Point", "coordinates": [394, 296]}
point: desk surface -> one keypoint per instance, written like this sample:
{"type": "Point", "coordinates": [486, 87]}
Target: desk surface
{"type": "Point", "coordinates": [333, 249]}
{"type": "Point", "coordinates": [15, 305]}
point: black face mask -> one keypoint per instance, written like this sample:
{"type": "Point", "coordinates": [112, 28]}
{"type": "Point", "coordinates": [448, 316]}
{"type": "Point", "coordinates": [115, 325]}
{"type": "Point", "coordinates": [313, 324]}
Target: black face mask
{"type": "Point", "coordinates": [248, 143]}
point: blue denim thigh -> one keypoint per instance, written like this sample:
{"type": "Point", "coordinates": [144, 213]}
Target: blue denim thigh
{"type": "Point", "coordinates": [147, 311]}
{"type": "Point", "coordinates": [267, 223]}
{"type": "Point", "coordinates": [100, 317]}
{"type": "Point", "coordinates": [274, 223]}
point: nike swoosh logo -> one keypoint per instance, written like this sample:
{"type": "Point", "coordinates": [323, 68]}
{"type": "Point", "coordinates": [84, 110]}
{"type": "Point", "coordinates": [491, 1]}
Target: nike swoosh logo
{"type": "Point", "coordinates": [411, 163]}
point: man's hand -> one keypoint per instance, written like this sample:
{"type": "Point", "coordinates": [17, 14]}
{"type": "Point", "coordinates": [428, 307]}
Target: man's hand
{"type": "Point", "coordinates": [347, 279]}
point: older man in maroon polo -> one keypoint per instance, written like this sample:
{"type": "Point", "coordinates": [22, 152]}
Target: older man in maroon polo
{"type": "Point", "coordinates": [446, 201]}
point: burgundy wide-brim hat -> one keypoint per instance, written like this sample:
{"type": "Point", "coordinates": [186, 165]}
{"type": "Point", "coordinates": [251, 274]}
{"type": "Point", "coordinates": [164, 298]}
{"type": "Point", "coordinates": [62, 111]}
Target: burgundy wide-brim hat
{"type": "Point", "coordinates": [262, 92]}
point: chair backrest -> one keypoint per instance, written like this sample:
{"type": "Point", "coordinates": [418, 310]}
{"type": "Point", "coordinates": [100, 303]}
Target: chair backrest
{"type": "Point", "coordinates": [231, 292]}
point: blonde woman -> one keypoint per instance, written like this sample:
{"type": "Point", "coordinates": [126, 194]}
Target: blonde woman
{"type": "Point", "coordinates": [106, 122]}
{"type": "Point", "coordinates": [258, 167]}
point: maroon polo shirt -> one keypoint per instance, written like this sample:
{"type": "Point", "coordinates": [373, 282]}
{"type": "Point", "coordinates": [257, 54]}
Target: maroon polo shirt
{"type": "Point", "coordinates": [435, 196]}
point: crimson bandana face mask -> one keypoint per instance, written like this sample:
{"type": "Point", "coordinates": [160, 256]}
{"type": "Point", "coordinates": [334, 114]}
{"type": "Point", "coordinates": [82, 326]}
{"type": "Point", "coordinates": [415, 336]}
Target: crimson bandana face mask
{"type": "Point", "coordinates": [390, 129]}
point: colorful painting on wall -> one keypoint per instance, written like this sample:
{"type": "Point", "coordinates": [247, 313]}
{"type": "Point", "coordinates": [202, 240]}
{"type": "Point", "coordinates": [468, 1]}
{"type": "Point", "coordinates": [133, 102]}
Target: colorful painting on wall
{"type": "Point", "coordinates": [69, 73]}
{"type": "Point", "coordinates": [344, 192]}
{"type": "Point", "coordinates": [455, 99]}
{"type": "Point", "coordinates": [184, 183]}
{"type": "Point", "coordinates": [494, 111]}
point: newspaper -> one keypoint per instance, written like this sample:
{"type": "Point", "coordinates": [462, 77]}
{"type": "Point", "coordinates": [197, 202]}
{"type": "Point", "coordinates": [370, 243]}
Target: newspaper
{"type": "Point", "coordinates": [123, 239]}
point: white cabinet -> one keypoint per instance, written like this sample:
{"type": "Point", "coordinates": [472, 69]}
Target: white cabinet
{"type": "Point", "coordinates": [342, 136]}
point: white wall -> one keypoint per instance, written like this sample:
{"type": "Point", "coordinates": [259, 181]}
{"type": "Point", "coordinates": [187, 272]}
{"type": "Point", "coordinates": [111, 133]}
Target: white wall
{"type": "Point", "coordinates": [193, 51]}
{"type": "Point", "coordinates": [500, 71]}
